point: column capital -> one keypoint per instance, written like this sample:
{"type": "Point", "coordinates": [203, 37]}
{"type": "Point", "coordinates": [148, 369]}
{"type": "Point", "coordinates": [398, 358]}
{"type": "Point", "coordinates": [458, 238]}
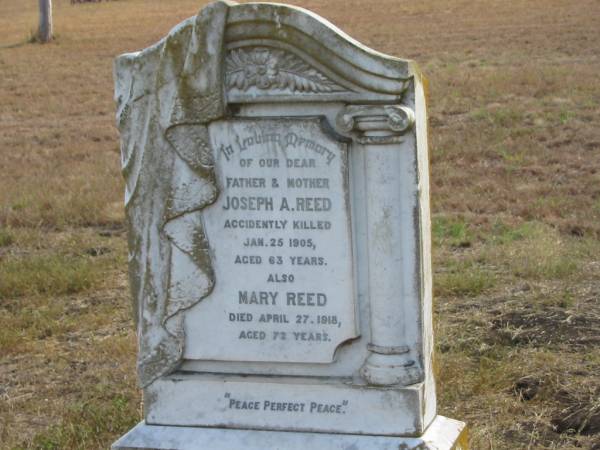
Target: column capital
{"type": "Point", "coordinates": [375, 124]}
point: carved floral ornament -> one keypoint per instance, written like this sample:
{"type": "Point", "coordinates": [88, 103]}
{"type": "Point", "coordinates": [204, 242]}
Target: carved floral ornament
{"type": "Point", "coordinates": [268, 68]}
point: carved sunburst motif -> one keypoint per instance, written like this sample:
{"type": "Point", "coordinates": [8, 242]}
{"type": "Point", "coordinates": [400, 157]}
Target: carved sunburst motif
{"type": "Point", "coordinates": [274, 69]}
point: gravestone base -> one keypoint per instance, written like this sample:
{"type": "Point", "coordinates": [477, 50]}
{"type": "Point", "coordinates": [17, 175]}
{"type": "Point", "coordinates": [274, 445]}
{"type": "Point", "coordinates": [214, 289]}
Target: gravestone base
{"type": "Point", "coordinates": [253, 402]}
{"type": "Point", "coordinates": [442, 434]}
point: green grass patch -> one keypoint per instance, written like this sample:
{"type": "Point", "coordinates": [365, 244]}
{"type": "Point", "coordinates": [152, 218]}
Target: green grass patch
{"type": "Point", "coordinates": [501, 116]}
{"type": "Point", "coordinates": [6, 238]}
{"type": "Point", "coordinates": [513, 159]}
{"type": "Point", "coordinates": [27, 321]}
{"type": "Point", "coordinates": [554, 267]}
{"type": "Point", "coordinates": [455, 233]}
{"type": "Point", "coordinates": [504, 234]}
{"type": "Point", "coordinates": [533, 251]}
{"type": "Point", "coordinates": [47, 275]}
{"type": "Point", "coordinates": [566, 116]}
{"type": "Point", "coordinates": [464, 279]}
{"type": "Point", "coordinates": [90, 424]}
{"type": "Point", "coordinates": [544, 254]}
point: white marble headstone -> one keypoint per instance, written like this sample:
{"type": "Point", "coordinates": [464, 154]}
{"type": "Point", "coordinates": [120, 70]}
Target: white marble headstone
{"type": "Point", "coordinates": [277, 195]}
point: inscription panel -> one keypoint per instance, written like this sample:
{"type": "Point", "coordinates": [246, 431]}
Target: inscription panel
{"type": "Point", "coordinates": [280, 246]}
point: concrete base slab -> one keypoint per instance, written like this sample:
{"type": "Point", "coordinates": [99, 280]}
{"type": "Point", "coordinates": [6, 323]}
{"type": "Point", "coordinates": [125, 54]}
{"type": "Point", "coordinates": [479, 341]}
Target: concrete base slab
{"type": "Point", "coordinates": [442, 434]}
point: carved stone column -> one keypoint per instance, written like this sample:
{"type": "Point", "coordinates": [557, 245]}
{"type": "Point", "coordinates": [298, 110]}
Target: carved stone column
{"type": "Point", "coordinates": [385, 132]}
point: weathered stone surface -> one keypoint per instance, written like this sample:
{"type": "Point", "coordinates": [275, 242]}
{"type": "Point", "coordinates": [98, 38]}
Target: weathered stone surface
{"type": "Point", "coordinates": [277, 194]}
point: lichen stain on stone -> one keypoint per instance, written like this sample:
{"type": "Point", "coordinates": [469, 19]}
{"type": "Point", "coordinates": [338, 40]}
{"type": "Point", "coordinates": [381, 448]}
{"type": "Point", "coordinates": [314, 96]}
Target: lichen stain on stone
{"type": "Point", "coordinates": [421, 446]}
{"type": "Point", "coordinates": [383, 229]}
{"type": "Point", "coordinates": [462, 443]}
{"type": "Point", "coordinates": [150, 398]}
{"type": "Point", "coordinates": [187, 63]}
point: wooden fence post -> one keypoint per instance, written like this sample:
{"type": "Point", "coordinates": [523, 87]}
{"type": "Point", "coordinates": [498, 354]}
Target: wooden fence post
{"type": "Point", "coordinates": [45, 30]}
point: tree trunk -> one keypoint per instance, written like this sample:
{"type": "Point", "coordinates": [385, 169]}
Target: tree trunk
{"type": "Point", "coordinates": [45, 31]}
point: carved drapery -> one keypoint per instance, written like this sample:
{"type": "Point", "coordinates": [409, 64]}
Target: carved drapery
{"type": "Point", "coordinates": [166, 96]}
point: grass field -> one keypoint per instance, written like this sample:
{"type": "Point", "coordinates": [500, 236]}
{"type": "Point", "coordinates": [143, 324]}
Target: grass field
{"type": "Point", "coordinates": [515, 143]}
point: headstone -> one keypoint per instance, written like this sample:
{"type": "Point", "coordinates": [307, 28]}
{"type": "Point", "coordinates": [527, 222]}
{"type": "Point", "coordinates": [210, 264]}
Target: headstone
{"type": "Point", "coordinates": [277, 196]}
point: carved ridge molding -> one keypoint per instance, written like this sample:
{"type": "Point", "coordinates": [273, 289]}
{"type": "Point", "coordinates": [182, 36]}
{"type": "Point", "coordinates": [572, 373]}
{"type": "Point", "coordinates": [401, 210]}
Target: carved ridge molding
{"type": "Point", "coordinates": [381, 76]}
{"type": "Point", "coordinates": [274, 69]}
{"type": "Point", "coordinates": [376, 124]}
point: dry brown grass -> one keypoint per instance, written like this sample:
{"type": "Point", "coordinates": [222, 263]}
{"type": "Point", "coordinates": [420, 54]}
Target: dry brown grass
{"type": "Point", "coordinates": [515, 103]}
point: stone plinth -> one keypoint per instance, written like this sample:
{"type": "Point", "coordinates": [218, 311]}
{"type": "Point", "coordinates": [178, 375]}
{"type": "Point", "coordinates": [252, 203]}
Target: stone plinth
{"type": "Point", "coordinates": [442, 434]}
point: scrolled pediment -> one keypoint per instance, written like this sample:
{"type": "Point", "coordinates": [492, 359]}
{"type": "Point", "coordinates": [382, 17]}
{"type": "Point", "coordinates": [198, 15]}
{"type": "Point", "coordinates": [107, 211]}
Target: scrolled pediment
{"type": "Point", "coordinates": [274, 51]}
